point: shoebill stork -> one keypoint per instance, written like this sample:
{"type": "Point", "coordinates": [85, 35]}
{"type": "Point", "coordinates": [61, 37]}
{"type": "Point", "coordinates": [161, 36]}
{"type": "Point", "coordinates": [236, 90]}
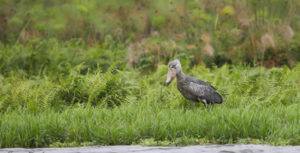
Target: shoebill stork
{"type": "Point", "coordinates": [192, 88]}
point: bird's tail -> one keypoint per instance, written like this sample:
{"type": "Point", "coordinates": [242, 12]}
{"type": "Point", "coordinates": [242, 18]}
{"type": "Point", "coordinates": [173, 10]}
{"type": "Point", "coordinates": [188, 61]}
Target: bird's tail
{"type": "Point", "coordinates": [219, 98]}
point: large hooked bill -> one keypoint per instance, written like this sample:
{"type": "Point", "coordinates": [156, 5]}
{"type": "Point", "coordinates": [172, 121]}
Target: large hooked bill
{"type": "Point", "coordinates": [171, 75]}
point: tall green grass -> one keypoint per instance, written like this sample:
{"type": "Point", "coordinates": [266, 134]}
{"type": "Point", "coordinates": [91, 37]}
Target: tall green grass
{"type": "Point", "coordinates": [133, 123]}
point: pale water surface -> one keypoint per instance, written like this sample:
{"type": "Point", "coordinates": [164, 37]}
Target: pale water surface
{"type": "Point", "coordinates": [147, 149]}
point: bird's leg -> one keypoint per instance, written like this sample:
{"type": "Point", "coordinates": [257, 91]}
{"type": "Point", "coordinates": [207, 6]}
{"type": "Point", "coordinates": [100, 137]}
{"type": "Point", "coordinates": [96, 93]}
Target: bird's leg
{"type": "Point", "coordinates": [210, 106]}
{"type": "Point", "coordinates": [192, 103]}
{"type": "Point", "coordinates": [204, 103]}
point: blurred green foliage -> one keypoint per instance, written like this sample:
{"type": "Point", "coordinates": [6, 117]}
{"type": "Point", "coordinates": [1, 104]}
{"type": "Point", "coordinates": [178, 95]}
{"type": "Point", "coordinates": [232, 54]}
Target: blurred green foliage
{"type": "Point", "coordinates": [236, 29]}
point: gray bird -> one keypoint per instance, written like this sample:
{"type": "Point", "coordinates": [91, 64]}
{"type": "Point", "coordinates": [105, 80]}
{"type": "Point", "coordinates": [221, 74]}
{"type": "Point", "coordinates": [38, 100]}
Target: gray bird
{"type": "Point", "coordinates": [192, 88]}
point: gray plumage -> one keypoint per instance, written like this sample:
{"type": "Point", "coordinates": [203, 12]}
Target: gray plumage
{"type": "Point", "coordinates": [192, 88]}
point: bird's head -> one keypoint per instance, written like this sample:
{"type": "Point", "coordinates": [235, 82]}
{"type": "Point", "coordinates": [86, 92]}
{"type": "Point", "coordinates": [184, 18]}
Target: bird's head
{"type": "Point", "coordinates": [174, 67]}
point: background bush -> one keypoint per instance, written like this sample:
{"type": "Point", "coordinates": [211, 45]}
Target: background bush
{"type": "Point", "coordinates": [214, 32]}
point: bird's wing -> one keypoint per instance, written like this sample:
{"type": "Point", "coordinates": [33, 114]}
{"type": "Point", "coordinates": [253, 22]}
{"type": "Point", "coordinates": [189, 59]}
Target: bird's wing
{"type": "Point", "coordinates": [203, 91]}
{"type": "Point", "coordinates": [199, 90]}
{"type": "Point", "coordinates": [205, 83]}
{"type": "Point", "coordinates": [200, 82]}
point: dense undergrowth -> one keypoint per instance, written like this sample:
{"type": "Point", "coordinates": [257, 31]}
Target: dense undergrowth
{"type": "Point", "coordinates": [122, 106]}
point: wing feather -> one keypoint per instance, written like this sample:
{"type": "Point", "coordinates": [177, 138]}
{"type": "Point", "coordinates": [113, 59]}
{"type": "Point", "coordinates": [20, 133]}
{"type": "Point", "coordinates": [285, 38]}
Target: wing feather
{"type": "Point", "coordinates": [204, 91]}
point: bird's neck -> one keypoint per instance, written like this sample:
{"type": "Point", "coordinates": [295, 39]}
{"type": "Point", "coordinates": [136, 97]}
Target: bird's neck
{"type": "Point", "coordinates": [180, 76]}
